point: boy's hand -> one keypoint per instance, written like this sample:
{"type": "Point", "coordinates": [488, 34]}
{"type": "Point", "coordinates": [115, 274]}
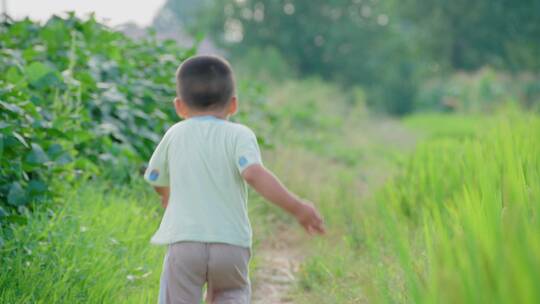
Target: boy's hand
{"type": "Point", "coordinates": [267, 184]}
{"type": "Point", "coordinates": [308, 216]}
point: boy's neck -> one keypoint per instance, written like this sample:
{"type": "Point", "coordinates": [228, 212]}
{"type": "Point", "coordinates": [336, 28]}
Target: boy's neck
{"type": "Point", "coordinates": [217, 114]}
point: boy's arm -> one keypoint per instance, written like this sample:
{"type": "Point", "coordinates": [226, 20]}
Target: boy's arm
{"type": "Point", "coordinates": [268, 185]}
{"type": "Point", "coordinates": [164, 193]}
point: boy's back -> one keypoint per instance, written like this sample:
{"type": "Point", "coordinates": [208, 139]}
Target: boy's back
{"type": "Point", "coordinates": [202, 159]}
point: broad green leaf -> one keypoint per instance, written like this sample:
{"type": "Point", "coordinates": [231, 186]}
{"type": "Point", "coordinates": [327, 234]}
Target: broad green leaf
{"type": "Point", "coordinates": [48, 80]}
{"type": "Point", "coordinates": [3, 212]}
{"type": "Point", "coordinates": [37, 70]}
{"type": "Point", "coordinates": [20, 138]}
{"type": "Point", "coordinates": [41, 124]}
{"type": "Point", "coordinates": [36, 187]}
{"type": "Point", "coordinates": [37, 155]}
{"type": "Point", "coordinates": [12, 108]}
{"type": "Point", "coordinates": [13, 75]}
{"type": "Point", "coordinates": [16, 195]}
{"type": "Point", "coordinates": [54, 151]}
{"type": "Point", "coordinates": [40, 75]}
{"type": "Point", "coordinates": [64, 159]}
{"type": "Point", "coordinates": [53, 132]}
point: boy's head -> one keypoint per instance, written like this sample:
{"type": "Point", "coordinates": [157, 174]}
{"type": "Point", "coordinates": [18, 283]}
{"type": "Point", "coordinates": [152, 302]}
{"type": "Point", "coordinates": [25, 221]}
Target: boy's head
{"type": "Point", "coordinates": [205, 83]}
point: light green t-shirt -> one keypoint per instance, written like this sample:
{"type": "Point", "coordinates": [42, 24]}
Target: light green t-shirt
{"type": "Point", "coordinates": [201, 159]}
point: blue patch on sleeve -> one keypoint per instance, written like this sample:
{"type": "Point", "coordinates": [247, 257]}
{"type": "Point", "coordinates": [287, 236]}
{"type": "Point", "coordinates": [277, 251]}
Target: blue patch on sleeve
{"type": "Point", "coordinates": [153, 176]}
{"type": "Point", "coordinates": [242, 161]}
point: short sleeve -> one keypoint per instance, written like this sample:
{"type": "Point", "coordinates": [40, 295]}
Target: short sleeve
{"type": "Point", "coordinates": [157, 172]}
{"type": "Point", "coordinates": [247, 150]}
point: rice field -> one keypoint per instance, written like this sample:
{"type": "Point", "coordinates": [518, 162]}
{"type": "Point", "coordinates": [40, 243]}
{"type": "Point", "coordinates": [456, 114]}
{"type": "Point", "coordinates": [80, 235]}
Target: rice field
{"type": "Point", "coordinates": [458, 223]}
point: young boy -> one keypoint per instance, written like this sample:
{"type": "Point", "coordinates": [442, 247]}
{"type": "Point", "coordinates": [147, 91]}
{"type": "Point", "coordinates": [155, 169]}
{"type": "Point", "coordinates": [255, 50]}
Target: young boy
{"type": "Point", "coordinates": [200, 169]}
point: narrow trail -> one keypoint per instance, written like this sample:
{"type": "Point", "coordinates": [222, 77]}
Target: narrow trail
{"type": "Point", "coordinates": [281, 254]}
{"type": "Point", "coordinates": [279, 257]}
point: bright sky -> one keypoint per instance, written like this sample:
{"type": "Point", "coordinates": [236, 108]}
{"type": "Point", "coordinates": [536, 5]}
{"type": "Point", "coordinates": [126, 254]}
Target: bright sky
{"type": "Point", "coordinates": [115, 12]}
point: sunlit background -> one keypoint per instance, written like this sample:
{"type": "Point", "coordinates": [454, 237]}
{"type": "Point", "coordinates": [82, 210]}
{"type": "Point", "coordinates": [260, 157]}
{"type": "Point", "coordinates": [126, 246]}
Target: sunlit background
{"type": "Point", "coordinates": [412, 125]}
{"type": "Point", "coordinates": [113, 12]}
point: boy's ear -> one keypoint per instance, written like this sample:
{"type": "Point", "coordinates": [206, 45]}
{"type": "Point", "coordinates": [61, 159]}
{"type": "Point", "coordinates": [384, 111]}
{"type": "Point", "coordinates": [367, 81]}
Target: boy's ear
{"type": "Point", "coordinates": [181, 108]}
{"type": "Point", "coordinates": [233, 106]}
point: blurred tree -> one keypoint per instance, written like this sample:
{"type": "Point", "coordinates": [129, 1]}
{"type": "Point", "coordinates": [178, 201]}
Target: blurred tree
{"type": "Point", "coordinates": [385, 46]}
{"type": "Point", "coordinates": [316, 36]}
{"type": "Point", "coordinates": [349, 41]}
{"type": "Point", "coordinates": [470, 34]}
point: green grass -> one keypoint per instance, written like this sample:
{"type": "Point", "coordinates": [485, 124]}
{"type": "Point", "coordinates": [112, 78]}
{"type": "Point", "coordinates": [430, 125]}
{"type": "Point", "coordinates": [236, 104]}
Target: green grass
{"type": "Point", "coordinates": [463, 217]}
{"type": "Point", "coordinates": [458, 223]}
{"type": "Point", "coordinates": [436, 125]}
{"type": "Point", "coordinates": [93, 249]}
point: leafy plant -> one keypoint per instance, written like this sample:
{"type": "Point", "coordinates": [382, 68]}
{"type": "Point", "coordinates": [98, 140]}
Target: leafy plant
{"type": "Point", "coordinates": [75, 96]}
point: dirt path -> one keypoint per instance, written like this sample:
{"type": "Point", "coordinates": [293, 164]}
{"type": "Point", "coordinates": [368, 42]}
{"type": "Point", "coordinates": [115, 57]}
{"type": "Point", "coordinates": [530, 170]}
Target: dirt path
{"type": "Point", "coordinates": [280, 255]}
{"type": "Point", "coordinates": [279, 258]}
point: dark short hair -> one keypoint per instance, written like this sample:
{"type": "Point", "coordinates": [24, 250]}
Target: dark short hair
{"type": "Point", "coordinates": [205, 82]}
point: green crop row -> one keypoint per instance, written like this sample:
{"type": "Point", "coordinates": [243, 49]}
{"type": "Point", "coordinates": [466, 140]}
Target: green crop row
{"type": "Point", "coordinates": [76, 96]}
{"type": "Point", "coordinates": [460, 224]}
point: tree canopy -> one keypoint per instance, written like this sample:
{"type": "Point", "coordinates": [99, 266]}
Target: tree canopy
{"type": "Point", "coordinates": [385, 46]}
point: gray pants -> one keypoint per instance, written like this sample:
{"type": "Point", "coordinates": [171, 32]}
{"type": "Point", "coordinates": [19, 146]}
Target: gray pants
{"type": "Point", "coordinates": [189, 265]}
